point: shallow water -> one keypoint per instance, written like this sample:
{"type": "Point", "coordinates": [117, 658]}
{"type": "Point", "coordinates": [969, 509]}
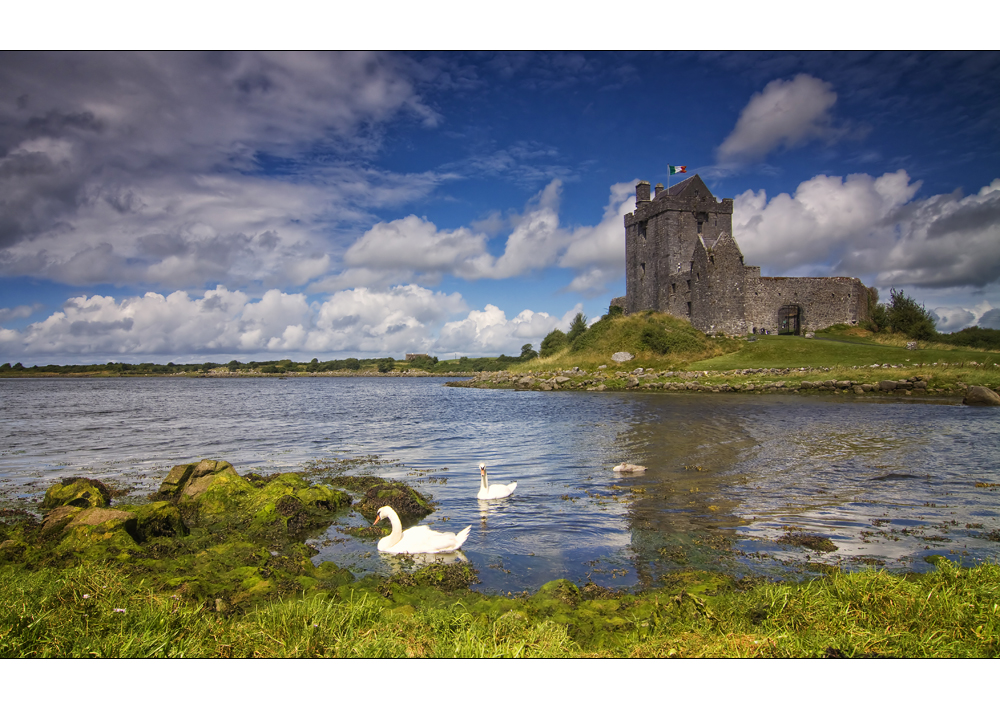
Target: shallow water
{"type": "Point", "coordinates": [888, 481]}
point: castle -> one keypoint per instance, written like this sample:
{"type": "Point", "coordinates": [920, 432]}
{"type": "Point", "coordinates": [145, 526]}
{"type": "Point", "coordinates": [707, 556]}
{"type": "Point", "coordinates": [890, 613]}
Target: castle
{"type": "Point", "coordinates": [681, 258]}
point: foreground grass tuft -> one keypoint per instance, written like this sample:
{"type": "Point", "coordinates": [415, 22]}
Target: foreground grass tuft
{"type": "Point", "coordinates": [98, 611]}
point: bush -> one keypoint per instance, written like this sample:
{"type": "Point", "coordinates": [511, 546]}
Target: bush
{"type": "Point", "coordinates": [553, 342]}
{"type": "Point", "coordinates": [527, 352]}
{"type": "Point", "coordinates": [906, 316]}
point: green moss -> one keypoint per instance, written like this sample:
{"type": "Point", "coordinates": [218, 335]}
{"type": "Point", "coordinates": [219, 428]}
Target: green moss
{"type": "Point", "coordinates": [77, 492]}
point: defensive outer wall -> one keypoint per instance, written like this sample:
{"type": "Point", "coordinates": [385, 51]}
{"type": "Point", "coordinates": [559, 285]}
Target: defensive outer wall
{"type": "Point", "coordinates": [681, 258]}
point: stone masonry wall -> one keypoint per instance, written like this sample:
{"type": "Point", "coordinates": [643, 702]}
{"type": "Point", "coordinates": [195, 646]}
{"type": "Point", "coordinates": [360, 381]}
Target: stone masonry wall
{"type": "Point", "coordinates": [822, 301]}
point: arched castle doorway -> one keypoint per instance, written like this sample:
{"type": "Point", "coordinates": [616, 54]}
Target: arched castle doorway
{"type": "Point", "coordinates": [788, 320]}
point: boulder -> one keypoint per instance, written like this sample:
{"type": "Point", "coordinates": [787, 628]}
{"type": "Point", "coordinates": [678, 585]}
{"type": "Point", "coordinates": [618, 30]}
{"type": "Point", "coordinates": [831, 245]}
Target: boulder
{"type": "Point", "coordinates": [78, 492]}
{"type": "Point", "coordinates": [622, 356]}
{"type": "Point", "coordinates": [159, 519]}
{"type": "Point", "coordinates": [56, 520]}
{"type": "Point", "coordinates": [981, 396]}
{"type": "Point", "coordinates": [176, 478]}
{"type": "Point", "coordinates": [887, 385]}
{"type": "Point", "coordinates": [112, 520]}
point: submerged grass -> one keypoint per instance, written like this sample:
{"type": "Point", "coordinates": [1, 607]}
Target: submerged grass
{"type": "Point", "coordinates": [94, 610]}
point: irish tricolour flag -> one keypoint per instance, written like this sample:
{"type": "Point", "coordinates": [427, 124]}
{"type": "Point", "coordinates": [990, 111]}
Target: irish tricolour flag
{"type": "Point", "coordinates": [674, 169]}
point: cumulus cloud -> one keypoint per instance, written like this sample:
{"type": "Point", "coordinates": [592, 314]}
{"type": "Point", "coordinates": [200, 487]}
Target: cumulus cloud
{"type": "Point", "coordinates": [415, 248]}
{"type": "Point", "coordinates": [826, 217]}
{"type": "Point", "coordinates": [21, 311]}
{"type": "Point", "coordinates": [785, 114]}
{"type": "Point", "coordinates": [990, 319]}
{"type": "Point", "coordinates": [952, 319]}
{"type": "Point", "coordinates": [125, 168]}
{"type": "Point", "coordinates": [228, 323]}
{"type": "Point", "coordinates": [488, 331]}
{"type": "Point", "coordinates": [866, 225]}
{"type": "Point", "coordinates": [597, 253]}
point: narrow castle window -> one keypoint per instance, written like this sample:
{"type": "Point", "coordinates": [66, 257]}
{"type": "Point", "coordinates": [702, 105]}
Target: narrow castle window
{"type": "Point", "coordinates": [689, 308]}
{"type": "Point", "coordinates": [642, 231]}
{"type": "Point", "coordinates": [673, 287]}
{"type": "Point", "coordinates": [699, 225]}
{"type": "Point", "coordinates": [689, 284]}
{"type": "Point", "coordinates": [642, 273]}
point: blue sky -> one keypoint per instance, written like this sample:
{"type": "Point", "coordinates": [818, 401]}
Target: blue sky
{"type": "Point", "coordinates": [189, 207]}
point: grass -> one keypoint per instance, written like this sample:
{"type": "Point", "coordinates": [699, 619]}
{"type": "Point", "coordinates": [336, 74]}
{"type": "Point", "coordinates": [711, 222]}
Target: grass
{"type": "Point", "coordinates": [781, 351]}
{"type": "Point", "coordinates": [93, 610]}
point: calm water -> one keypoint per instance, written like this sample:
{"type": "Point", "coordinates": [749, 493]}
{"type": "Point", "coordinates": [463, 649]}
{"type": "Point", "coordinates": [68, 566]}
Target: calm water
{"type": "Point", "coordinates": [889, 482]}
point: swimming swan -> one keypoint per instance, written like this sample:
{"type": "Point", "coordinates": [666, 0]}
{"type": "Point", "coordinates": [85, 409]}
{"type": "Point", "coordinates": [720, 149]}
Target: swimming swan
{"type": "Point", "coordinates": [417, 540]}
{"type": "Point", "coordinates": [492, 492]}
{"type": "Point", "coordinates": [629, 468]}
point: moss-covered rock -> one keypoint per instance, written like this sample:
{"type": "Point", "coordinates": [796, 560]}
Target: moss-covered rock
{"type": "Point", "coordinates": [77, 492]}
{"type": "Point", "coordinates": [159, 519]}
{"type": "Point", "coordinates": [410, 505]}
{"type": "Point", "coordinates": [176, 478]}
{"type": "Point", "coordinates": [55, 520]}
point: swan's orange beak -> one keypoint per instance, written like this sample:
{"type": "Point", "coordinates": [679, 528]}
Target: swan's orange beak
{"type": "Point", "coordinates": [378, 518]}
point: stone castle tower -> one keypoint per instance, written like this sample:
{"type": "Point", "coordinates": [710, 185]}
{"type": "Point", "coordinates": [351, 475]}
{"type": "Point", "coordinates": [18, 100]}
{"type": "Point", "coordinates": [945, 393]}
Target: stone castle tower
{"type": "Point", "coordinates": [681, 258]}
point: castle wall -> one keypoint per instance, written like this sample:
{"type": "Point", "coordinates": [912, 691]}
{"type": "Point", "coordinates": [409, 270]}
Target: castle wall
{"type": "Point", "coordinates": [822, 301]}
{"type": "Point", "coordinates": [718, 288]}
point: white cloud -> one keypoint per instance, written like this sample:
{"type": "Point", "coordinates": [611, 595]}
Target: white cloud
{"type": "Point", "coordinates": [943, 246]}
{"type": "Point", "coordinates": [488, 331]}
{"type": "Point", "coordinates": [224, 323]}
{"type": "Point", "coordinates": [415, 244]}
{"type": "Point", "coordinates": [785, 114]}
{"type": "Point", "coordinates": [21, 311]}
{"type": "Point", "coordinates": [413, 248]}
{"type": "Point", "coordinates": [597, 253]}
{"type": "Point", "coordinates": [144, 174]}
{"type": "Point", "coordinates": [826, 217]}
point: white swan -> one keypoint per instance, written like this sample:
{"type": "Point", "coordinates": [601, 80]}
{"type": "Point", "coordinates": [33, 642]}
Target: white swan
{"type": "Point", "coordinates": [629, 468]}
{"type": "Point", "coordinates": [492, 492]}
{"type": "Point", "coordinates": [417, 540]}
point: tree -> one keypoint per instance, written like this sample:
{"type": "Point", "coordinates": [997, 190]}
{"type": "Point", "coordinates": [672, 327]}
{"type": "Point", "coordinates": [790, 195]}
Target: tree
{"type": "Point", "coordinates": [906, 316]}
{"type": "Point", "coordinates": [553, 342]}
{"type": "Point", "coordinates": [233, 365]}
{"type": "Point", "coordinates": [577, 327]}
{"type": "Point", "coordinates": [527, 352]}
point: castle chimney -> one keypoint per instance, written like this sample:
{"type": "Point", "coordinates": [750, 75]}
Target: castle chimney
{"type": "Point", "coordinates": [659, 186]}
{"type": "Point", "coordinates": [642, 191]}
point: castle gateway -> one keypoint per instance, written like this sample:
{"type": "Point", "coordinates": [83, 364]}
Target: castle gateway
{"type": "Point", "coordinates": [681, 258]}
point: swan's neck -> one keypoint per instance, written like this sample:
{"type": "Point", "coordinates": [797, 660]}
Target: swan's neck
{"type": "Point", "coordinates": [484, 484]}
{"type": "Point", "coordinates": [397, 528]}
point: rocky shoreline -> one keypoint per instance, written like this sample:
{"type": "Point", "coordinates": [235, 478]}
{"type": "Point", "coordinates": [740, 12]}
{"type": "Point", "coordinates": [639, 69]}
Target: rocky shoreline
{"type": "Point", "coordinates": [867, 382]}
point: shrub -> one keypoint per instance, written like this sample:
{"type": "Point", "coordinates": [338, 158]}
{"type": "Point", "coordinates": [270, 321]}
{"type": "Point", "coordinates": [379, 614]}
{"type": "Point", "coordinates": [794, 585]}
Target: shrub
{"type": "Point", "coordinates": [553, 342]}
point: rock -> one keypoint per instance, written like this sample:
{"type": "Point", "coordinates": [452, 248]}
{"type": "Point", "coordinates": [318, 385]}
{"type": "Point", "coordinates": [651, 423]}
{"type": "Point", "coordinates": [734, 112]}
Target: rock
{"type": "Point", "coordinates": [78, 492]}
{"type": "Point", "coordinates": [981, 396]}
{"type": "Point", "coordinates": [622, 356]}
{"type": "Point", "coordinates": [56, 520]}
{"type": "Point", "coordinates": [911, 345]}
{"type": "Point", "coordinates": [561, 380]}
{"type": "Point", "coordinates": [112, 520]}
{"type": "Point", "coordinates": [159, 519]}
{"type": "Point", "coordinates": [810, 335]}
{"type": "Point", "coordinates": [887, 385]}
{"type": "Point", "coordinates": [859, 389]}
{"type": "Point", "coordinates": [176, 478]}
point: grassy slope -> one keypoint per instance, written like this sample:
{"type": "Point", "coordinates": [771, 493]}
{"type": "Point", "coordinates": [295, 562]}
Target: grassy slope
{"type": "Point", "coordinates": [625, 334]}
{"type": "Point", "coordinates": [781, 351]}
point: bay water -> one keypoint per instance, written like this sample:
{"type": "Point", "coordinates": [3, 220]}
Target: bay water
{"type": "Point", "coordinates": [734, 482]}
